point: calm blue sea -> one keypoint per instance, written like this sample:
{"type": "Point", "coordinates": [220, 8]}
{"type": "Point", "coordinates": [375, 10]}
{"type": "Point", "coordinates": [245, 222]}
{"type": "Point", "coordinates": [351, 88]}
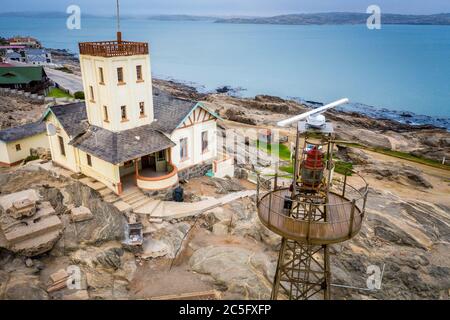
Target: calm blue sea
{"type": "Point", "coordinates": [398, 70]}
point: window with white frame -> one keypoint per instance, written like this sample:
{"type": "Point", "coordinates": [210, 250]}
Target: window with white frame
{"type": "Point", "coordinates": [183, 149]}
{"type": "Point", "coordinates": [204, 141]}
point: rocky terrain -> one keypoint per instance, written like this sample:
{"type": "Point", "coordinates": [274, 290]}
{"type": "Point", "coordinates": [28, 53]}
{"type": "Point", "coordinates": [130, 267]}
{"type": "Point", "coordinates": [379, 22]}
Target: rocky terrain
{"type": "Point", "coordinates": [227, 249]}
{"type": "Point", "coordinates": [17, 110]}
{"type": "Point", "coordinates": [265, 111]}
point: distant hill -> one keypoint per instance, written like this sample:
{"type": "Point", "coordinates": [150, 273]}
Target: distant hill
{"type": "Point", "coordinates": [341, 18]}
{"type": "Point", "coordinates": [180, 17]}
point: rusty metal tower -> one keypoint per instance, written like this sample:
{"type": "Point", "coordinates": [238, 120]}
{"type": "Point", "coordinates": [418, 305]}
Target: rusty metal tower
{"type": "Point", "coordinates": [317, 210]}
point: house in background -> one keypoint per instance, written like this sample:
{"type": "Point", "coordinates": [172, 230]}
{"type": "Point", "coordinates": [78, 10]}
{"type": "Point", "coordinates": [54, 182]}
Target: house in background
{"type": "Point", "coordinates": [27, 78]}
{"type": "Point", "coordinates": [127, 133]}
{"type": "Point", "coordinates": [37, 56]}
{"type": "Point", "coordinates": [17, 143]}
{"type": "Point", "coordinates": [13, 56]}
{"type": "Point", "coordinates": [24, 41]}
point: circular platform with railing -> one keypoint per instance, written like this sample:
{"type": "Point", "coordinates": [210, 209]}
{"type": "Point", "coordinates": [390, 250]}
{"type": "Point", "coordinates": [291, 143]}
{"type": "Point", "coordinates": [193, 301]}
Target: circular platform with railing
{"type": "Point", "coordinates": [316, 219]}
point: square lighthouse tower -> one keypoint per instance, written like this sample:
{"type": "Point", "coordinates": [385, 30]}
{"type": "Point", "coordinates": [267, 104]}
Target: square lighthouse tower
{"type": "Point", "coordinates": [117, 84]}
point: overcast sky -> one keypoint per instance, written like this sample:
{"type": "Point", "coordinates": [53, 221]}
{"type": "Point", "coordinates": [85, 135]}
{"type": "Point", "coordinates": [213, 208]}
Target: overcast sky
{"type": "Point", "coordinates": [229, 7]}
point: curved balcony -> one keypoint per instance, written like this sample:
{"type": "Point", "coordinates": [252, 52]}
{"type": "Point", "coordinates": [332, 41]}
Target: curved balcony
{"type": "Point", "coordinates": [343, 211]}
{"type": "Point", "coordinates": [151, 180]}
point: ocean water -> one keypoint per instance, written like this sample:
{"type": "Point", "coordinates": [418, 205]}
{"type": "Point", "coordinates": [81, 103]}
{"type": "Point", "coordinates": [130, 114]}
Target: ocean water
{"type": "Point", "coordinates": [399, 71]}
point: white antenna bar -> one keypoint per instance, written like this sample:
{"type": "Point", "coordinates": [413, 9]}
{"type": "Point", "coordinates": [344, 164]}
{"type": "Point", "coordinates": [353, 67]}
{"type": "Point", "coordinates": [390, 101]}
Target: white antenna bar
{"type": "Point", "coordinates": [313, 112]}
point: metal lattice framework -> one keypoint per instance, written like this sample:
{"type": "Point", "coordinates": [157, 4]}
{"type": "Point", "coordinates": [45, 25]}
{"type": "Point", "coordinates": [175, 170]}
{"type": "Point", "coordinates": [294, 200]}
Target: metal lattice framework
{"type": "Point", "coordinates": [309, 219]}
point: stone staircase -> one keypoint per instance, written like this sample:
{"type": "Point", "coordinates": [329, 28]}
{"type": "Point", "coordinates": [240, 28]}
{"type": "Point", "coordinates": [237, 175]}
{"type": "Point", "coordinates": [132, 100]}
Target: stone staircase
{"type": "Point", "coordinates": [130, 200]}
{"type": "Point", "coordinates": [135, 198]}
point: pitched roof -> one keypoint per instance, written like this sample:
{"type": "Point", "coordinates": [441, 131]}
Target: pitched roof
{"type": "Point", "coordinates": [73, 117]}
{"type": "Point", "coordinates": [35, 52]}
{"type": "Point", "coordinates": [24, 131]}
{"type": "Point", "coordinates": [13, 55]}
{"type": "Point", "coordinates": [118, 147]}
{"type": "Point", "coordinates": [169, 111]}
{"type": "Point", "coordinates": [20, 75]}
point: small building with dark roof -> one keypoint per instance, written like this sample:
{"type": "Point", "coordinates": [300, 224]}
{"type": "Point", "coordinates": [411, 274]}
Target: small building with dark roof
{"type": "Point", "coordinates": [17, 143]}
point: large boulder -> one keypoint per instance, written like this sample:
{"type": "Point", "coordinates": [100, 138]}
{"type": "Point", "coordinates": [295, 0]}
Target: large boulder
{"type": "Point", "coordinates": [108, 223]}
{"type": "Point", "coordinates": [24, 287]}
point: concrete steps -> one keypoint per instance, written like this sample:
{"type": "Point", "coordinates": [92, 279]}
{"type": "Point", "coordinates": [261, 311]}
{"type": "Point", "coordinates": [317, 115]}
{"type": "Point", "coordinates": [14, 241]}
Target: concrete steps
{"type": "Point", "coordinates": [141, 203]}
{"type": "Point", "coordinates": [137, 199]}
{"type": "Point", "coordinates": [105, 191]}
{"type": "Point", "coordinates": [111, 198]}
{"type": "Point", "coordinates": [122, 206]}
{"type": "Point", "coordinates": [134, 198]}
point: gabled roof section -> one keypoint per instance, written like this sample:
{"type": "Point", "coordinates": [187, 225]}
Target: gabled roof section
{"type": "Point", "coordinates": [20, 75]}
{"type": "Point", "coordinates": [21, 132]}
{"type": "Point", "coordinates": [73, 117]}
{"type": "Point", "coordinates": [118, 147]}
{"type": "Point", "coordinates": [171, 112]}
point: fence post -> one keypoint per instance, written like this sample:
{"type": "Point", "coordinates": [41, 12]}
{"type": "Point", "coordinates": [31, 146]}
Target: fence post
{"type": "Point", "coordinates": [276, 181]}
{"type": "Point", "coordinates": [257, 190]}
{"type": "Point", "coordinates": [352, 215]}
{"type": "Point", "coordinates": [345, 183]}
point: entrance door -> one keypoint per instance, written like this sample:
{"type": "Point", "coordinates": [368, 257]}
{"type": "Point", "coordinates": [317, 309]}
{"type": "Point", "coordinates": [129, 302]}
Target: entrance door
{"type": "Point", "coordinates": [152, 162]}
{"type": "Point", "coordinates": [145, 162]}
{"type": "Point", "coordinates": [149, 162]}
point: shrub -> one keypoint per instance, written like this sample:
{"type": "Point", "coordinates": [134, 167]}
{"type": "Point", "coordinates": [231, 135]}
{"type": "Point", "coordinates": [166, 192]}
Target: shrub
{"type": "Point", "coordinates": [79, 95]}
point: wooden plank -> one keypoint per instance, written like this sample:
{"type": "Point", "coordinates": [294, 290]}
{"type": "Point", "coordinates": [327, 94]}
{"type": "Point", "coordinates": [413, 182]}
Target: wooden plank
{"type": "Point", "coordinates": [201, 295]}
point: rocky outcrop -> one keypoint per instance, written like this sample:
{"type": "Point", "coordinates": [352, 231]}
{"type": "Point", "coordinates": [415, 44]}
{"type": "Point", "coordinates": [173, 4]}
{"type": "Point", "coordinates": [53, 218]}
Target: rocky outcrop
{"type": "Point", "coordinates": [107, 270]}
{"type": "Point", "coordinates": [106, 224]}
{"type": "Point", "coordinates": [239, 116]}
{"type": "Point", "coordinates": [28, 226]}
{"type": "Point", "coordinates": [399, 173]}
{"type": "Point", "coordinates": [224, 186]}
{"type": "Point", "coordinates": [238, 270]}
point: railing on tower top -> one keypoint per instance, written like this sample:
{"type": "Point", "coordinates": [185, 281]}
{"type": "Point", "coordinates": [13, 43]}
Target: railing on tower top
{"type": "Point", "coordinates": [113, 48]}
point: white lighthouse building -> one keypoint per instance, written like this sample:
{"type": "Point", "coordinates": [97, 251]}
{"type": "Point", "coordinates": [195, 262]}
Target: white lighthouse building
{"type": "Point", "coordinates": [126, 132]}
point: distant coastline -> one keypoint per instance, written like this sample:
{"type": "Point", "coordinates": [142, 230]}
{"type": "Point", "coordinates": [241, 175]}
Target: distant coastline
{"type": "Point", "coordinates": [326, 18]}
{"type": "Point", "coordinates": [343, 18]}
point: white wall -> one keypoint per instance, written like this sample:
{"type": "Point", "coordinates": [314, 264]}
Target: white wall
{"type": "Point", "coordinates": [4, 156]}
{"type": "Point", "coordinates": [223, 167]}
{"type": "Point", "coordinates": [33, 142]}
{"type": "Point", "coordinates": [114, 95]}
{"type": "Point", "coordinates": [194, 135]}
{"type": "Point", "coordinates": [101, 170]}
{"type": "Point", "coordinates": [68, 161]}
{"type": "Point", "coordinates": [9, 154]}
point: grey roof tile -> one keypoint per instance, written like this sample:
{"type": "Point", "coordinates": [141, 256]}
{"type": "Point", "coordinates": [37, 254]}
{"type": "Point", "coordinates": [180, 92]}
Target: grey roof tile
{"type": "Point", "coordinates": [169, 111]}
{"type": "Point", "coordinates": [24, 131]}
{"type": "Point", "coordinates": [72, 117]}
{"type": "Point", "coordinates": [118, 147]}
